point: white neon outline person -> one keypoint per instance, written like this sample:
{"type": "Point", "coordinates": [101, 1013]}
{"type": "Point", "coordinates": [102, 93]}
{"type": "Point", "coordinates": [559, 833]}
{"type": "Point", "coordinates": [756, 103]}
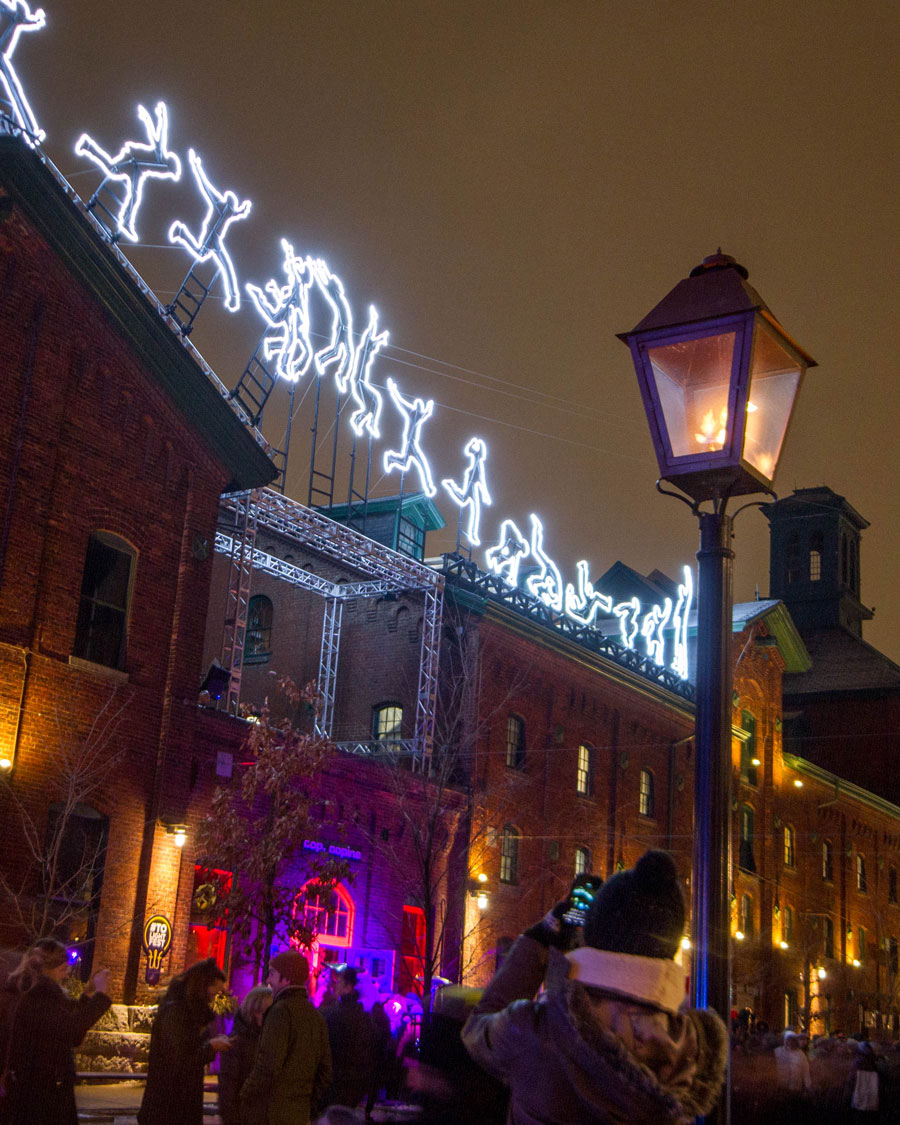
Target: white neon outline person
{"type": "Point", "coordinates": [133, 164]}
{"type": "Point", "coordinates": [286, 311]}
{"type": "Point", "coordinates": [340, 348]}
{"type": "Point", "coordinates": [223, 209]}
{"type": "Point", "coordinates": [16, 17]}
{"type": "Point", "coordinates": [473, 492]}
{"type": "Point", "coordinates": [680, 623]}
{"type": "Point", "coordinates": [655, 620]}
{"type": "Point", "coordinates": [505, 557]}
{"type": "Point", "coordinates": [584, 604]}
{"type": "Point", "coordinates": [367, 398]}
{"type": "Point", "coordinates": [416, 413]}
{"type": "Point", "coordinates": [628, 613]}
{"type": "Point", "coordinates": [547, 584]}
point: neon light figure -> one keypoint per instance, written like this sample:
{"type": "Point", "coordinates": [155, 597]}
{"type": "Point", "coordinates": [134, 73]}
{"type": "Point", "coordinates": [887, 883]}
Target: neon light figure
{"type": "Point", "coordinates": [655, 620]}
{"type": "Point", "coordinates": [16, 17]}
{"type": "Point", "coordinates": [627, 613]}
{"type": "Point", "coordinates": [340, 349]}
{"type": "Point", "coordinates": [363, 393]}
{"type": "Point", "coordinates": [286, 311]}
{"type": "Point", "coordinates": [547, 584]}
{"type": "Point", "coordinates": [506, 556]}
{"type": "Point", "coordinates": [584, 604]}
{"type": "Point", "coordinates": [222, 211]}
{"type": "Point", "coordinates": [416, 413]}
{"type": "Point", "coordinates": [680, 622]}
{"type": "Point", "coordinates": [133, 164]}
{"type": "Point", "coordinates": [473, 492]}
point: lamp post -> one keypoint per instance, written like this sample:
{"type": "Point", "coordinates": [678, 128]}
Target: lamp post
{"type": "Point", "coordinates": [719, 377]}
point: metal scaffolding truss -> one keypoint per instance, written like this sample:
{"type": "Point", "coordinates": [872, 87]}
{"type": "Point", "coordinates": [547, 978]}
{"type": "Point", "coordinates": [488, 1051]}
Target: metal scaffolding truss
{"type": "Point", "coordinates": [381, 571]}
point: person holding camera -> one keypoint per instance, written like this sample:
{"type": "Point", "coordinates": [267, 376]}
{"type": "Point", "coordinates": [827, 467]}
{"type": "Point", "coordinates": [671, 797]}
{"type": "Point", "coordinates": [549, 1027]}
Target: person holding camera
{"type": "Point", "coordinates": [610, 1038]}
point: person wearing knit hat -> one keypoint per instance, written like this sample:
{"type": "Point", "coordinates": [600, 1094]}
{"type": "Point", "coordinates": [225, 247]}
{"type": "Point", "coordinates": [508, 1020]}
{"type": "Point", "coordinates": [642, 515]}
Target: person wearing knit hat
{"type": "Point", "coordinates": [292, 1068]}
{"type": "Point", "coordinates": [610, 1037]}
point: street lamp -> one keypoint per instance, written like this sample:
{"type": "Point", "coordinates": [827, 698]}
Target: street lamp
{"type": "Point", "coordinates": [719, 377]}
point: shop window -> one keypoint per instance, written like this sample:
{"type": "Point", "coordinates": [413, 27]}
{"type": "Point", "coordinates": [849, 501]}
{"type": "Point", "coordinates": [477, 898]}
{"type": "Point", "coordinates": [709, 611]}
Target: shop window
{"type": "Point", "coordinates": [412, 951]}
{"type": "Point", "coordinates": [789, 854]}
{"type": "Point", "coordinates": [582, 861]}
{"type": "Point", "coordinates": [515, 741]}
{"type": "Point", "coordinates": [509, 855]}
{"type": "Point", "coordinates": [862, 883]}
{"type": "Point", "coordinates": [101, 629]}
{"type": "Point", "coordinates": [258, 644]}
{"type": "Point", "coordinates": [828, 861]}
{"type": "Point", "coordinates": [748, 749]}
{"type": "Point", "coordinates": [892, 886]}
{"type": "Point", "coordinates": [76, 838]}
{"type": "Point", "coordinates": [746, 857]}
{"type": "Point", "coordinates": [828, 936]}
{"type": "Point", "coordinates": [646, 802]}
{"type": "Point", "coordinates": [387, 722]}
{"type": "Point", "coordinates": [583, 776]}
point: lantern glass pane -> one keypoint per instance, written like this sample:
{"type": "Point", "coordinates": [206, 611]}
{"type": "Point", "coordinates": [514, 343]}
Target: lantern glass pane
{"type": "Point", "coordinates": [774, 381]}
{"type": "Point", "coordinates": [693, 382]}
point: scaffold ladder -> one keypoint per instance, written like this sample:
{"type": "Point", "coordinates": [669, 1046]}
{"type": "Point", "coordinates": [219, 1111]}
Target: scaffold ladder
{"type": "Point", "coordinates": [242, 530]}
{"type": "Point", "coordinates": [328, 664]}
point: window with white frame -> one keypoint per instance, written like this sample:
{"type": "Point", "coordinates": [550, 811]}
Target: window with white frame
{"type": "Point", "coordinates": [509, 854]}
{"type": "Point", "coordinates": [646, 801]}
{"type": "Point", "coordinates": [582, 861]}
{"type": "Point", "coordinates": [583, 772]}
{"type": "Point", "coordinates": [387, 722]}
{"type": "Point", "coordinates": [789, 854]}
{"type": "Point", "coordinates": [515, 741]}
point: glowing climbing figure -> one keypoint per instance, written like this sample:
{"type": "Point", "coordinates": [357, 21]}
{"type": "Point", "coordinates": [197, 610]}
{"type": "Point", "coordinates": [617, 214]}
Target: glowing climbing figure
{"type": "Point", "coordinates": [286, 310]}
{"type": "Point", "coordinates": [505, 558]}
{"type": "Point", "coordinates": [655, 620]}
{"type": "Point", "coordinates": [367, 398]}
{"type": "Point", "coordinates": [16, 17]}
{"type": "Point", "coordinates": [473, 492]}
{"type": "Point", "coordinates": [223, 209]}
{"type": "Point", "coordinates": [416, 413]}
{"type": "Point", "coordinates": [133, 164]}
{"type": "Point", "coordinates": [627, 613]}
{"type": "Point", "coordinates": [679, 663]}
{"type": "Point", "coordinates": [585, 604]}
{"type": "Point", "coordinates": [547, 583]}
{"type": "Point", "coordinates": [339, 349]}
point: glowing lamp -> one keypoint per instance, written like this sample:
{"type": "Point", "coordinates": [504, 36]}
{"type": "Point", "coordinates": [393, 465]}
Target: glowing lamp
{"type": "Point", "coordinates": [178, 832]}
{"type": "Point", "coordinates": [798, 784]}
{"type": "Point", "coordinates": [822, 974]}
{"type": "Point", "coordinates": [5, 763]}
{"type": "Point", "coordinates": [738, 935]}
{"type": "Point", "coordinates": [719, 377]}
{"type": "Point", "coordinates": [782, 945]}
{"type": "Point", "coordinates": [482, 878]}
{"type": "Point", "coordinates": [855, 963]}
{"type": "Point", "coordinates": [482, 901]}
{"type": "Point", "coordinates": [685, 943]}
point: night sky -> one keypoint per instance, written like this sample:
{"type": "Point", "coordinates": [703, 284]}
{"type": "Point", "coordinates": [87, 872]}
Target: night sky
{"type": "Point", "coordinates": [512, 183]}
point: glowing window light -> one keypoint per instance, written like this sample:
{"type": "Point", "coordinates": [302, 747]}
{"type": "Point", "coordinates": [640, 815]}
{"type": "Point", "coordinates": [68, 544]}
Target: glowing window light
{"type": "Point", "coordinates": [367, 398]}
{"type": "Point", "coordinates": [15, 17]}
{"type": "Point", "coordinates": [547, 584]}
{"type": "Point", "coordinates": [680, 621]}
{"type": "Point", "coordinates": [584, 604]}
{"type": "Point", "coordinates": [223, 209]}
{"type": "Point", "coordinates": [473, 491]}
{"type": "Point", "coordinates": [505, 557]}
{"type": "Point", "coordinates": [286, 311]}
{"type": "Point", "coordinates": [416, 413]}
{"type": "Point", "coordinates": [134, 164]}
{"type": "Point", "coordinates": [655, 620]}
{"type": "Point", "coordinates": [628, 613]}
{"type": "Point", "coordinates": [339, 349]}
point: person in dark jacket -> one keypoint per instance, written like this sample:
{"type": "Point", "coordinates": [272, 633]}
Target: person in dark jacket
{"type": "Point", "coordinates": [236, 1064]}
{"type": "Point", "coordinates": [352, 1039]}
{"type": "Point", "coordinates": [181, 1047]}
{"type": "Point", "coordinates": [609, 1039]}
{"type": "Point", "coordinates": [43, 1026]}
{"type": "Point", "coordinates": [292, 1068]}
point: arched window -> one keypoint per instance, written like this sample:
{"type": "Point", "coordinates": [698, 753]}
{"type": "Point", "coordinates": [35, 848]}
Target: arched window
{"type": "Point", "coordinates": [828, 861]}
{"type": "Point", "coordinates": [328, 913]}
{"type": "Point", "coordinates": [582, 861]}
{"type": "Point", "coordinates": [258, 645]}
{"type": "Point", "coordinates": [387, 722]}
{"type": "Point", "coordinates": [746, 916]}
{"type": "Point", "coordinates": [515, 741]}
{"type": "Point", "coordinates": [789, 856]}
{"type": "Point", "coordinates": [509, 855]}
{"type": "Point", "coordinates": [646, 802]}
{"type": "Point", "coordinates": [746, 858]}
{"type": "Point", "coordinates": [862, 883]}
{"type": "Point", "coordinates": [583, 775]}
{"type": "Point", "coordinates": [106, 583]}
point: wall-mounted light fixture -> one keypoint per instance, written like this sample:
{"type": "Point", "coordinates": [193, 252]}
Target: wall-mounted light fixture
{"type": "Point", "coordinates": [178, 832]}
{"type": "Point", "coordinates": [478, 890]}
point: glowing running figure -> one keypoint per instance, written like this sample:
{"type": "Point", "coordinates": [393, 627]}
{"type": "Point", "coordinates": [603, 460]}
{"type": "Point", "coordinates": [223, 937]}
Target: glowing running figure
{"type": "Point", "coordinates": [627, 613]}
{"type": "Point", "coordinates": [223, 210]}
{"type": "Point", "coordinates": [286, 311]}
{"type": "Point", "coordinates": [655, 620]}
{"type": "Point", "coordinates": [362, 392]}
{"type": "Point", "coordinates": [340, 348]}
{"type": "Point", "coordinates": [133, 164]}
{"type": "Point", "coordinates": [505, 558]}
{"type": "Point", "coordinates": [16, 17]}
{"type": "Point", "coordinates": [680, 624]}
{"type": "Point", "coordinates": [547, 584]}
{"type": "Point", "coordinates": [416, 413]}
{"type": "Point", "coordinates": [584, 604]}
{"type": "Point", "coordinates": [473, 492]}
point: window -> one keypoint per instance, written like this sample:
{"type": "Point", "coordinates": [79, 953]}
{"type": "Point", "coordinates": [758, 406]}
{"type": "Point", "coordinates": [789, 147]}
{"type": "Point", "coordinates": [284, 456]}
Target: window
{"type": "Point", "coordinates": [77, 837]}
{"type": "Point", "coordinates": [892, 885]}
{"type": "Point", "coordinates": [816, 546]}
{"type": "Point", "coordinates": [788, 846]}
{"type": "Point", "coordinates": [828, 934]}
{"type": "Point", "coordinates": [515, 741]}
{"type": "Point", "coordinates": [893, 959]}
{"type": "Point", "coordinates": [583, 780]}
{"type": "Point", "coordinates": [329, 914]}
{"type": "Point", "coordinates": [748, 749]}
{"type": "Point", "coordinates": [258, 645]}
{"type": "Point", "coordinates": [582, 861]}
{"type": "Point", "coordinates": [787, 925]}
{"type": "Point", "coordinates": [746, 916]}
{"type": "Point", "coordinates": [412, 950]}
{"type": "Point", "coordinates": [387, 722]}
{"type": "Point", "coordinates": [100, 632]}
{"type": "Point", "coordinates": [827, 861]}
{"type": "Point", "coordinates": [862, 884]}
{"type": "Point", "coordinates": [861, 944]}
{"type": "Point", "coordinates": [509, 855]}
{"type": "Point", "coordinates": [746, 858]}
{"type": "Point", "coordinates": [646, 804]}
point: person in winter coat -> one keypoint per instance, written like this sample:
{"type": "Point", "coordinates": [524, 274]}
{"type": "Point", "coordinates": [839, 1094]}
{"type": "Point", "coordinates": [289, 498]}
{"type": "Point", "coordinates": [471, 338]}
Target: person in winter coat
{"type": "Point", "coordinates": [237, 1062]}
{"type": "Point", "coordinates": [609, 1039]}
{"type": "Point", "coordinates": [352, 1039]}
{"type": "Point", "coordinates": [863, 1081]}
{"type": "Point", "coordinates": [42, 1026]}
{"type": "Point", "coordinates": [292, 1068]}
{"type": "Point", "coordinates": [180, 1048]}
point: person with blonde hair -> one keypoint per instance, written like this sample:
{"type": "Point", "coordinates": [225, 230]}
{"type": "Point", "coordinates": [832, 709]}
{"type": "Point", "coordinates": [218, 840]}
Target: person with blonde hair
{"type": "Point", "coordinates": [42, 1026]}
{"type": "Point", "coordinates": [238, 1062]}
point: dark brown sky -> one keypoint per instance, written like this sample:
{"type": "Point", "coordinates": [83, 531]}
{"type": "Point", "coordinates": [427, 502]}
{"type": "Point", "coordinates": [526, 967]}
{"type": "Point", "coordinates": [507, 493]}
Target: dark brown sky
{"type": "Point", "coordinates": [512, 183]}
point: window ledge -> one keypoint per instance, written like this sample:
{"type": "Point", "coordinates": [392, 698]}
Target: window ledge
{"type": "Point", "coordinates": [102, 670]}
{"type": "Point", "coordinates": [257, 657]}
